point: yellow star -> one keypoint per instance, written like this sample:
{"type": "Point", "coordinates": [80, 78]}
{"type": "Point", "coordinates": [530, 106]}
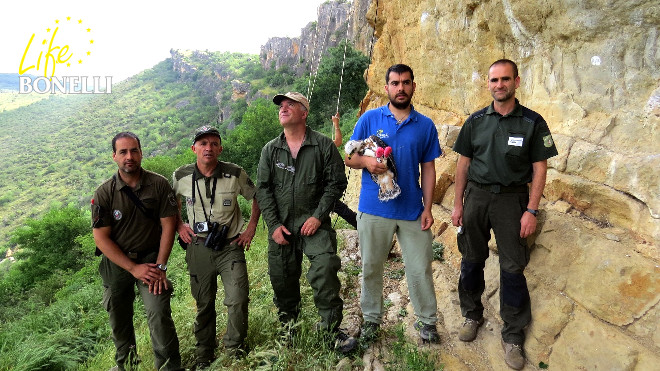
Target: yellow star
{"type": "Point", "coordinates": [88, 53]}
{"type": "Point", "coordinates": [68, 64]}
{"type": "Point", "coordinates": [91, 41]}
{"type": "Point", "coordinates": [80, 21]}
{"type": "Point", "coordinates": [68, 18]}
{"type": "Point", "coordinates": [89, 29]}
{"type": "Point", "coordinates": [57, 21]}
{"type": "Point", "coordinates": [44, 42]}
{"type": "Point", "coordinates": [48, 30]}
{"type": "Point", "coordinates": [79, 61]}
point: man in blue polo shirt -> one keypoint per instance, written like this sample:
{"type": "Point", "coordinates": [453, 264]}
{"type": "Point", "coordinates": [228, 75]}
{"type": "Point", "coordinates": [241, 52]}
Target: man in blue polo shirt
{"type": "Point", "coordinates": [414, 142]}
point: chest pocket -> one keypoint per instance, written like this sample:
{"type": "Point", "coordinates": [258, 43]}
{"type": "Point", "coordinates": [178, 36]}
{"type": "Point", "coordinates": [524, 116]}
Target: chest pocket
{"type": "Point", "coordinates": [516, 144]}
{"type": "Point", "coordinates": [151, 206]}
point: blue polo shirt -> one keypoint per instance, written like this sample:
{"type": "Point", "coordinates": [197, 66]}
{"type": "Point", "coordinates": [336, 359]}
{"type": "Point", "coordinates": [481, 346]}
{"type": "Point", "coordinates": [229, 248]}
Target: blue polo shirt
{"type": "Point", "coordinates": [413, 142]}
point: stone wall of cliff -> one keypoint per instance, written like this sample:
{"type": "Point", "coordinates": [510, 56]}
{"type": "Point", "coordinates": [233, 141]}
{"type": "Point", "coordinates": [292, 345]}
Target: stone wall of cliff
{"type": "Point", "coordinates": [304, 52]}
{"type": "Point", "coordinates": [592, 69]}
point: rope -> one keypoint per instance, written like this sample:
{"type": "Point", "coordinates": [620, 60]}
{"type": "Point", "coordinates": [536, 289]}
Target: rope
{"type": "Point", "coordinates": [316, 71]}
{"type": "Point", "coordinates": [311, 65]}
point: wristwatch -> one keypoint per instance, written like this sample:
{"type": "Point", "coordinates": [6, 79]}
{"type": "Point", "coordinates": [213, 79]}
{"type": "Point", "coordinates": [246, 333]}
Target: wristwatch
{"type": "Point", "coordinates": [532, 211]}
{"type": "Point", "coordinates": [162, 267]}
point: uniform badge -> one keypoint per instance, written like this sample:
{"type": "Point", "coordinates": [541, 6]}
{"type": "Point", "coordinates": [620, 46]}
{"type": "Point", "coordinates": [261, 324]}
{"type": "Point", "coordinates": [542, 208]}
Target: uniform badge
{"type": "Point", "coordinates": [547, 141]}
{"type": "Point", "coordinates": [116, 214]}
{"type": "Point", "coordinates": [226, 202]}
{"type": "Point", "coordinates": [190, 201]}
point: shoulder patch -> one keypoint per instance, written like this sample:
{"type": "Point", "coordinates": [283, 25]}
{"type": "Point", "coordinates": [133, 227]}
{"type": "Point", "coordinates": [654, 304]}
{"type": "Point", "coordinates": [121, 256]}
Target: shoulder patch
{"type": "Point", "coordinates": [547, 141]}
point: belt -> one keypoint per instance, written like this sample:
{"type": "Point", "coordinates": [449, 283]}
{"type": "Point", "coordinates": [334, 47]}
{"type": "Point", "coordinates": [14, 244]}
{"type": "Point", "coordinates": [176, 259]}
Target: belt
{"type": "Point", "coordinates": [139, 255]}
{"type": "Point", "coordinates": [498, 188]}
{"type": "Point", "coordinates": [203, 239]}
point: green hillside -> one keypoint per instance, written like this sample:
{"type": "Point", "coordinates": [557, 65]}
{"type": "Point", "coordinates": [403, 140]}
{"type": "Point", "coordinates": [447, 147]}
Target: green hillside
{"type": "Point", "coordinates": [55, 151]}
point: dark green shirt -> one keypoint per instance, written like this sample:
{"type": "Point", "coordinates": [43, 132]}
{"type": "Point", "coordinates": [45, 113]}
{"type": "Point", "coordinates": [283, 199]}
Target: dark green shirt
{"type": "Point", "coordinates": [290, 190]}
{"type": "Point", "coordinates": [502, 149]}
{"type": "Point", "coordinates": [131, 229]}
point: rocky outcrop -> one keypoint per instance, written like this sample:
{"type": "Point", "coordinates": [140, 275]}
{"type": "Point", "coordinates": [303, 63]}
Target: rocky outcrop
{"type": "Point", "coordinates": [303, 53]}
{"type": "Point", "coordinates": [592, 69]}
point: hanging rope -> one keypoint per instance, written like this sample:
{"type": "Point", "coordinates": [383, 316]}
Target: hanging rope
{"type": "Point", "coordinates": [311, 64]}
{"type": "Point", "coordinates": [318, 63]}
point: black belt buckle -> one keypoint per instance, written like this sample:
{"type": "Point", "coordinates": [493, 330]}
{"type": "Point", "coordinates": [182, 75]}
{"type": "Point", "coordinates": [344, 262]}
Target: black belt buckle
{"type": "Point", "coordinates": [132, 255]}
{"type": "Point", "coordinates": [495, 188]}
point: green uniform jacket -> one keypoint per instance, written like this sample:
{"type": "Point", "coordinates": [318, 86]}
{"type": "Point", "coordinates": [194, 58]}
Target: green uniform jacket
{"type": "Point", "coordinates": [290, 190]}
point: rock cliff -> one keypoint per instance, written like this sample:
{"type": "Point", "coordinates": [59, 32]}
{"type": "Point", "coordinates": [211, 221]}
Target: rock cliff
{"type": "Point", "coordinates": [303, 53]}
{"type": "Point", "coordinates": [592, 69]}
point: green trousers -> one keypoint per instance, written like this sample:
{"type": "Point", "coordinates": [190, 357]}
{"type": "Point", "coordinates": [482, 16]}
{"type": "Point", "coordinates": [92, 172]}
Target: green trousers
{"type": "Point", "coordinates": [204, 266]}
{"type": "Point", "coordinates": [118, 297]}
{"type": "Point", "coordinates": [284, 268]}
{"type": "Point", "coordinates": [501, 212]}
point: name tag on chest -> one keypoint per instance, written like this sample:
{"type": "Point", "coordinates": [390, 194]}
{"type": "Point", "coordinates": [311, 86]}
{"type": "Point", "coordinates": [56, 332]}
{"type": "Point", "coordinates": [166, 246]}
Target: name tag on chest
{"type": "Point", "coordinates": [515, 141]}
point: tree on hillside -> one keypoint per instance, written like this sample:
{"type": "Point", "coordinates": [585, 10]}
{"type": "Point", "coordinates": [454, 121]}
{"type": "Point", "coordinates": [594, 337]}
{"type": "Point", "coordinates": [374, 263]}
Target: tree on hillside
{"type": "Point", "coordinates": [49, 244]}
{"type": "Point", "coordinates": [323, 103]}
{"type": "Point", "coordinates": [243, 144]}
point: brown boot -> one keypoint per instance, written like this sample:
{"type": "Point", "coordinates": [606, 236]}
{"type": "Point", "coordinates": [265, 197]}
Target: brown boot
{"type": "Point", "coordinates": [513, 355]}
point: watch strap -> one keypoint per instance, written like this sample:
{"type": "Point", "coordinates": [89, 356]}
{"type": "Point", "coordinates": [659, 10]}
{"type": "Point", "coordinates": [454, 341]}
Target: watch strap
{"type": "Point", "coordinates": [532, 211]}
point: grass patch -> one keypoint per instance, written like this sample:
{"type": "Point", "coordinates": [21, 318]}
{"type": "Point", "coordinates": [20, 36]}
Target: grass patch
{"type": "Point", "coordinates": [406, 356]}
{"type": "Point", "coordinates": [438, 251]}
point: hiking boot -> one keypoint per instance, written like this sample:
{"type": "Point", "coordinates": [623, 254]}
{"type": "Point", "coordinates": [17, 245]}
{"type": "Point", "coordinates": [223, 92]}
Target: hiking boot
{"type": "Point", "coordinates": [369, 331]}
{"type": "Point", "coordinates": [344, 343]}
{"type": "Point", "coordinates": [287, 333]}
{"type": "Point", "coordinates": [469, 330]}
{"type": "Point", "coordinates": [238, 352]}
{"type": "Point", "coordinates": [428, 333]}
{"type": "Point", "coordinates": [513, 355]}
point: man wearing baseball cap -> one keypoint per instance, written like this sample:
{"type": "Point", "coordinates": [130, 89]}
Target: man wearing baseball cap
{"type": "Point", "coordinates": [299, 178]}
{"type": "Point", "coordinates": [215, 244]}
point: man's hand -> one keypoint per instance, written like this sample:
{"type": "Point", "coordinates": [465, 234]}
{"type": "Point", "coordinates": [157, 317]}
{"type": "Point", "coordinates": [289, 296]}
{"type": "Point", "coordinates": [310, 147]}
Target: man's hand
{"type": "Point", "coordinates": [427, 219]}
{"type": "Point", "coordinates": [185, 232]}
{"type": "Point", "coordinates": [278, 235]}
{"type": "Point", "coordinates": [245, 238]}
{"type": "Point", "coordinates": [147, 273]}
{"type": "Point", "coordinates": [160, 285]}
{"type": "Point", "coordinates": [373, 166]}
{"type": "Point", "coordinates": [527, 224]}
{"type": "Point", "coordinates": [310, 226]}
{"type": "Point", "coordinates": [457, 216]}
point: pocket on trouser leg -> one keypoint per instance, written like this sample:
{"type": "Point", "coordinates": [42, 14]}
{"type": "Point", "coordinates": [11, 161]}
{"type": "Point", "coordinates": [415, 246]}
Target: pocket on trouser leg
{"type": "Point", "coordinates": [514, 289]}
{"type": "Point", "coordinates": [472, 275]}
{"type": "Point", "coordinates": [106, 298]}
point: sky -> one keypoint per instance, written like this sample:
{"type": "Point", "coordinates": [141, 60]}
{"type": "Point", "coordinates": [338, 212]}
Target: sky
{"type": "Point", "coordinates": [121, 38]}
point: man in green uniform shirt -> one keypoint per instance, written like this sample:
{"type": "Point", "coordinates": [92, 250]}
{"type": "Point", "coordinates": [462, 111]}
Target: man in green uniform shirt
{"type": "Point", "coordinates": [215, 243]}
{"type": "Point", "coordinates": [502, 148]}
{"type": "Point", "coordinates": [133, 220]}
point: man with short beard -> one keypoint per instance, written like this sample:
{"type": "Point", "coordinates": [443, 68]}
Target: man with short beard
{"type": "Point", "coordinates": [503, 148]}
{"type": "Point", "coordinates": [414, 142]}
{"type": "Point", "coordinates": [133, 223]}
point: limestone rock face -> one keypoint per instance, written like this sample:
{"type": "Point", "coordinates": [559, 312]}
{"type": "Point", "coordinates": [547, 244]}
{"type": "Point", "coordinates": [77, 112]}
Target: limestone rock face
{"type": "Point", "coordinates": [592, 70]}
{"type": "Point", "coordinates": [303, 53]}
